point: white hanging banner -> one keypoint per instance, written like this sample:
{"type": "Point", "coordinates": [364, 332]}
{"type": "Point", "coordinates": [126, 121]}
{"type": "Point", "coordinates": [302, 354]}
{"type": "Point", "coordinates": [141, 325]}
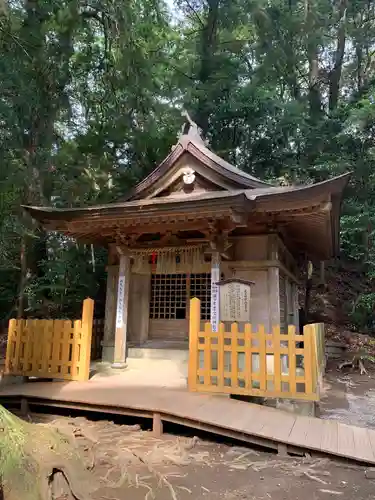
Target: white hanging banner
{"type": "Point", "coordinates": [215, 294]}
{"type": "Point", "coordinates": [120, 302]}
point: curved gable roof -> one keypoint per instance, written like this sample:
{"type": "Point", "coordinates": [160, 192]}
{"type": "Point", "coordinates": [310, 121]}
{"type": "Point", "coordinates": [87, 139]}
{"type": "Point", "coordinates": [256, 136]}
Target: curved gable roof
{"type": "Point", "coordinates": [193, 144]}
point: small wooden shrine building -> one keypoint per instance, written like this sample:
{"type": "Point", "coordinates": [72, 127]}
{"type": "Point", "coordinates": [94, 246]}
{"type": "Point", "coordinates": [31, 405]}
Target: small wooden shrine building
{"type": "Point", "coordinates": [193, 221]}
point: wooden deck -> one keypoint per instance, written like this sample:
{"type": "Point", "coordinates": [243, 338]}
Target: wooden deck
{"type": "Point", "coordinates": [246, 422]}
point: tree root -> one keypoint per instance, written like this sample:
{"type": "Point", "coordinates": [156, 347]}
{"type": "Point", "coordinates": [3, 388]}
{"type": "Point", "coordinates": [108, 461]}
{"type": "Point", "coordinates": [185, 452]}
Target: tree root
{"type": "Point", "coordinates": [31, 455]}
{"type": "Point", "coordinates": [355, 363]}
{"type": "Point", "coordinates": [362, 367]}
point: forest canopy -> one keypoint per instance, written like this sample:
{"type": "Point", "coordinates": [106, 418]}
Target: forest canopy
{"type": "Point", "coordinates": [91, 100]}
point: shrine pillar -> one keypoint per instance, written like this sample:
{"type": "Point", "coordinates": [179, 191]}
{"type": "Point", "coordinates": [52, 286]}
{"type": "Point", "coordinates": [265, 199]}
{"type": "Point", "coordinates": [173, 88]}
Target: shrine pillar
{"type": "Point", "coordinates": [122, 309]}
{"type": "Point", "coordinates": [108, 342]}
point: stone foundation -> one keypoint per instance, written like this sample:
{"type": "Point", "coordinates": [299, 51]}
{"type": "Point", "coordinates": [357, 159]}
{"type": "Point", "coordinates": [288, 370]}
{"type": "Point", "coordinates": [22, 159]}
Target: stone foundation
{"type": "Point", "coordinates": [108, 352]}
{"type": "Point", "coordinates": [299, 407]}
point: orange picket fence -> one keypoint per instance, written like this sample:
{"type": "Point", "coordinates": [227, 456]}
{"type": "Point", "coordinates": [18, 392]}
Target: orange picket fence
{"type": "Point", "coordinates": [46, 348]}
{"type": "Point", "coordinates": [253, 362]}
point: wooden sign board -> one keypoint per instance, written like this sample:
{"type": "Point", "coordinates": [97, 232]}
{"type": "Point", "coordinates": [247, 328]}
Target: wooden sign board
{"type": "Point", "coordinates": [235, 300]}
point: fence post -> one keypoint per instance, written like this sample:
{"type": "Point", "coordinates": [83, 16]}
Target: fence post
{"type": "Point", "coordinates": [86, 337]}
{"type": "Point", "coordinates": [9, 361]}
{"type": "Point", "coordinates": [322, 344]}
{"type": "Point", "coordinates": [310, 366]}
{"type": "Point", "coordinates": [292, 358]}
{"type": "Point", "coordinates": [317, 330]}
{"type": "Point", "coordinates": [194, 327]}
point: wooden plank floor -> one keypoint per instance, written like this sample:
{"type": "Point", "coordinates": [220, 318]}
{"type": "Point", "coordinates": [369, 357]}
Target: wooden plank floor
{"type": "Point", "coordinates": [220, 415]}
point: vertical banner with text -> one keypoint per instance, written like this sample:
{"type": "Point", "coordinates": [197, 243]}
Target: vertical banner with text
{"type": "Point", "coordinates": [215, 277]}
{"type": "Point", "coordinates": [120, 302]}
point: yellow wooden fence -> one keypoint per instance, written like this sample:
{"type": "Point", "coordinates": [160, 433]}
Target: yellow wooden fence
{"type": "Point", "coordinates": [317, 334]}
{"type": "Point", "coordinates": [255, 362]}
{"type": "Point", "coordinates": [47, 348]}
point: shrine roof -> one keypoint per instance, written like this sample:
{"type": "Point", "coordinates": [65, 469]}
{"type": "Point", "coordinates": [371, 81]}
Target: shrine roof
{"type": "Point", "coordinates": [194, 185]}
{"type": "Point", "coordinates": [284, 196]}
{"type": "Point", "coordinates": [192, 144]}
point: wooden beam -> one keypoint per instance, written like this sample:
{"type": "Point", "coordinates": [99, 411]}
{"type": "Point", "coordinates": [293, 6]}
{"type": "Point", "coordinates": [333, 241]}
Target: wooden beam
{"type": "Point", "coordinates": [157, 425]}
{"type": "Point", "coordinates": [321, 207]}
{"type": "Point", "coordinates": [239, 219]}
{"type": "Point", "coordinates": [148, 219]}
{"type": "Point", "coordinates": [159, 228]}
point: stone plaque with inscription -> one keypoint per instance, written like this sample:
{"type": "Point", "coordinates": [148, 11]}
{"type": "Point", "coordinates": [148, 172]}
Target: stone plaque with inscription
{"type": "Point", "coordinates": [235, 300]}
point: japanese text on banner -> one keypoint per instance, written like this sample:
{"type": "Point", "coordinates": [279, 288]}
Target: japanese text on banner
{"type": "Point", "coordinates": [120, 302]}
{"type": "Point", "coordinates": [215, 277]}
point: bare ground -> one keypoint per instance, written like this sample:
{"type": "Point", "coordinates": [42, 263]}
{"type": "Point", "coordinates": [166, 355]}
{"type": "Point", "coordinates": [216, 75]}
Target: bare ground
{"type": "Point", "coordinates": [182, 468]}
{"type": "Point", "coordinates": [348, 396]}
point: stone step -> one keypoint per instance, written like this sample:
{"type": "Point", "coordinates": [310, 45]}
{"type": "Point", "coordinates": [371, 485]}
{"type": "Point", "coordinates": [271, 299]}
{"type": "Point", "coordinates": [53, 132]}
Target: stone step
{"type": "Point", "coordinates": [335, 350]}
{"type": "Point", "coordinates": [169, 369]}
{"type": "Point", "coordinates": [149, 353]}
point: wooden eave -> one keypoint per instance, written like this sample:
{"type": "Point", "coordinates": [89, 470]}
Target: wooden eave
{"type": "Point", "coordinates": [310, 214]}
{"type": "Point", "coordinates": [105, 224]}
{"type": "Point", "coordinates": [314, 214]}
{"type": "Point", "coordinates": [163, 207]}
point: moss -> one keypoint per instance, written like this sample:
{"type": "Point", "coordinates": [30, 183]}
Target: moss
{"type": "Point", "coordinates": [14, 463]}
{"type": "Point", "coordinates": [31, 454]}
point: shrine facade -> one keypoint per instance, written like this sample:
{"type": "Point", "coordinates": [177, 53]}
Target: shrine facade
{"type": "Point", "coordinates": [195, 221]}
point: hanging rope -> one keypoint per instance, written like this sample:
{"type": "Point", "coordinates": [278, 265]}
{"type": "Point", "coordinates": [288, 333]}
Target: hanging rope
{"type": "Point", "coordinates": [169, 260]}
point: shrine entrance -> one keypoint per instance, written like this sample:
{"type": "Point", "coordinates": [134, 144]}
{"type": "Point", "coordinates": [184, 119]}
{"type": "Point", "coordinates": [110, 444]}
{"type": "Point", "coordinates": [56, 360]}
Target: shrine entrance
{"type": "Point", "coordinates": [170, 303]}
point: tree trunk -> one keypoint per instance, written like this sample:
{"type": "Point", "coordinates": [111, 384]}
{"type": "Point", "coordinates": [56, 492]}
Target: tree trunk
{"type": "Point", "coordinates": [334, 83]}
{"type": "Point", "coordinates": [22, 280]}
{"type": "Point", "coordinates": [308, 288]}
{"type": "Point", "coordinates": [322, 273]}
{"type": "Point", "coordinates": [315, 101]}
{"type": "Point", "coordinates": [30, 456]}
{"type": "Point", "coordinates": [359, 55]}
{"type": "Point", "coordinates": [207, 64]}
{"type": "Point", "coordinates": [37, 123]}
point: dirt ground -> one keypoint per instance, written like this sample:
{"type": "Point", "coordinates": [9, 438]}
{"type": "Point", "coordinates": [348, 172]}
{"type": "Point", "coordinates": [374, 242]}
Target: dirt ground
{"type": "Point", "coordinates": [181, 468]}
{"type": "Point", "coordinates": [135, 465]}
{"type": "Point", "coordinates": [349, 396]}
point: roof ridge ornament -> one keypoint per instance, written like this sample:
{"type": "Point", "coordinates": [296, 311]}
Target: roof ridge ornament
{"type": "Point", "coordinates": [191, 130]}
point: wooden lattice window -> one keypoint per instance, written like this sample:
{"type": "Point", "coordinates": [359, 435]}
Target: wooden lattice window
{"type": "Point", "coordinates": [168, 296]}
{"type": "Point", "coordinates": [200, 287]}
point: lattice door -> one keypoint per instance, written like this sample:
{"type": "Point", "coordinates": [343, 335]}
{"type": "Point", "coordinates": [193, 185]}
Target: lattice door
{"type": "Point", "coordinates": [168, 296]}
{"type": "Point", "coordinates": [200, 287]}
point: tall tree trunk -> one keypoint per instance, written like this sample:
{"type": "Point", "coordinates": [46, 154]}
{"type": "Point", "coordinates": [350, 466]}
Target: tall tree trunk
{"type": "Point", "coordinates": [22, 280]}
{"type": "Point", "coordinates": [359, 55]}
{"type": "Point", "coordinates": [207, 63]}
{"type": "Point", "coordinates": [315, 101]}
{"type": "Point", "coordinates": [308, 288]}
{"type": "Point", "coordinates": [334, 82]}
{"type": "Point", "coordinates": [37, 124]}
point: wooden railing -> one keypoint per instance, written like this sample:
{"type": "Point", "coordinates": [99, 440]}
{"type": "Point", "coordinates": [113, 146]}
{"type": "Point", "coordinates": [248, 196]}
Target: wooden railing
{"type": "Point", "coordinates": [253, 362]}
{"type": "Point", "coordinates": [47, 348]}
{"type": "Point", "coordinates": [317, 333]}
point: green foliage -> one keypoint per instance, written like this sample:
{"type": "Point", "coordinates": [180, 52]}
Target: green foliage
{"type": "Point", "coordinates": [91, 99]}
